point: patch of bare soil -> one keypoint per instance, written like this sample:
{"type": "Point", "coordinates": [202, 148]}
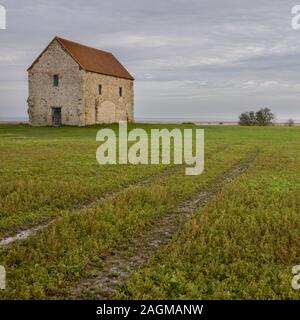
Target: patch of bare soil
{"type": "Point", "coordinates": [118, 264]}
{"type": "Point", "coordinates": [21, 235]}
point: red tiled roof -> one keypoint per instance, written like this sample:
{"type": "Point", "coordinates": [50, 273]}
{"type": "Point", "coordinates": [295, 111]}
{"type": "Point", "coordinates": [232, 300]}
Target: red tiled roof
{"type": "Point", "coordinates": [93, 60]}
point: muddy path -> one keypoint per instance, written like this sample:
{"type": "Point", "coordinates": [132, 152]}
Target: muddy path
{"type": "Point", "coordinates": [28, 231]}
{"type": "Point", "coordinates": [25, 233]}
{"type": "Point", "coordinates": [22, 235]}
{"type": "Point", "coordinates": [118, 264]}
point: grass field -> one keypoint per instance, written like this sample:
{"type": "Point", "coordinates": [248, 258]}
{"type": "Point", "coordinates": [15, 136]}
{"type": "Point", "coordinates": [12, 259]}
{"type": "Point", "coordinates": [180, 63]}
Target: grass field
{"type": "Point", "coordinates": [242, 244]}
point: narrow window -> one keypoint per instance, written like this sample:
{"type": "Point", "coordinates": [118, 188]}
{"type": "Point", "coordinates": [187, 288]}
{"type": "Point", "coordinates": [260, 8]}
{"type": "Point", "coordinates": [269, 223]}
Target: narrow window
{"type": "Point", "coordinates": [100, 89]}
{"type": "Point", "coordinates": [120, 91]}
{"type": "Point", "coordinates": [55, 80]}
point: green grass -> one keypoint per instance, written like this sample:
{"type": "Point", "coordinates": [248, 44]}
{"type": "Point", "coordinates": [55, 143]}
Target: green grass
{"type": "Point", "coordinates": [243, 244]}
{"type": "Point", "coordinates": [40, 175]}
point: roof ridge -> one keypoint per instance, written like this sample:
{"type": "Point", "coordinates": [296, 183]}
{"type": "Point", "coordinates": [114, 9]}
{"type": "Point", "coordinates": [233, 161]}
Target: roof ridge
{"type": "Point", "coordinates": [82, 45]}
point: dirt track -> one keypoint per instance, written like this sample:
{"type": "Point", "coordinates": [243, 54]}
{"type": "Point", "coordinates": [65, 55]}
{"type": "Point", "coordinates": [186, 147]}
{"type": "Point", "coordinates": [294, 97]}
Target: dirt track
{"type": "Point", "coordinates": [118, 264]}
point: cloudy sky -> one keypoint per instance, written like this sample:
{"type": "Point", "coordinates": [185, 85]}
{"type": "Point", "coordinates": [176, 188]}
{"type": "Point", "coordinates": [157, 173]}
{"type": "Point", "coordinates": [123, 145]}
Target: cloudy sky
{"type": "Point", "coordinates": [201, 59]}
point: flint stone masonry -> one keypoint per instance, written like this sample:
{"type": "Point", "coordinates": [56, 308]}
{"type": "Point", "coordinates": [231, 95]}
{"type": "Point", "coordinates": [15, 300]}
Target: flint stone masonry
{"type": "Point", "coordinates": [77, 93]}
{"type": "Point", "coordinates": [108, 107]}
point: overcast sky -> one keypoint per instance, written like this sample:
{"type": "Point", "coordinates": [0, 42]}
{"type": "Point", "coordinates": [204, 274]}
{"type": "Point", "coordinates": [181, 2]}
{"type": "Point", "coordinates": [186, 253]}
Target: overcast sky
{"type": "Point", "coordinates": [201, 59]}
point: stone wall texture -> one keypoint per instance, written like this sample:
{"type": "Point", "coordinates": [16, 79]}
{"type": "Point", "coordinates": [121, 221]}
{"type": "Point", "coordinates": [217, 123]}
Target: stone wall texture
{"type": "Point", "coordinates": [77, 94]}
{"type": "Point", "coordinates": [108, 107]}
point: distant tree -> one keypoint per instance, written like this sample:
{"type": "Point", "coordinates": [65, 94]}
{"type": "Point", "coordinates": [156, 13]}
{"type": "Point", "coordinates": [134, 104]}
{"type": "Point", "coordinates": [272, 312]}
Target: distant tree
{"type": "Point", "coordinates": [252, 118]}
{"type": "Point", "coordinates": [264, 117]}
{"type": "Point", "coordinates": [247, 119]}
{"type": "Point", "coordinates": [244, 119]}
{"type": "Point", "coordinates": [290, 122]}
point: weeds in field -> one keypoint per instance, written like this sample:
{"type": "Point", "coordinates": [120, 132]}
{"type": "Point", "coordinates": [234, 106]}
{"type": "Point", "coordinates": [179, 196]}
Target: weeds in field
{"type": "Point", "coordinates": [242, 245]}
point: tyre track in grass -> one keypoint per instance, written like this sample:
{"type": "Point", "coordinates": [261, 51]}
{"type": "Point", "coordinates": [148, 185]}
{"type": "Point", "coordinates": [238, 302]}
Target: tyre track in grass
{"type": "Point", "coordinates": [118, 264]}
{"type": "Point", "coordinates": [23, 234]}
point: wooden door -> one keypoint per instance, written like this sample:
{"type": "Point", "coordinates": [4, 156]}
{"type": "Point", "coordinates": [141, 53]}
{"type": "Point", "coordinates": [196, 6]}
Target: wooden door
{"type": "Point", "coordinates": [56, 117]}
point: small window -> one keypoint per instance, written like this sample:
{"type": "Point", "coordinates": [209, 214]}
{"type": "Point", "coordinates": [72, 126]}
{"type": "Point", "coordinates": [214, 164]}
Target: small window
{"type": "Point", "coordinates": [100, 89]}
{"type": "Point", "coordinates": [55, 80]}
{"type": "Point", "coordinates": [120, 91]}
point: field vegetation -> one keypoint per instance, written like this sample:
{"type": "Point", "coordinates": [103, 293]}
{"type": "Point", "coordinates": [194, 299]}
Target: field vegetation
{"type": "Point", "coordinates": [242, 244]}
